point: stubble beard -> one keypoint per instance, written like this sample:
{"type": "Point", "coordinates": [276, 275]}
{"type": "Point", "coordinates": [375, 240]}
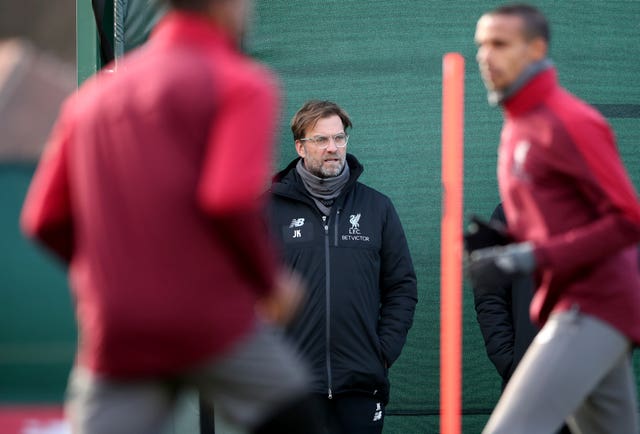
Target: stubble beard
{"type": "Point", "coordinates": [326, 172]}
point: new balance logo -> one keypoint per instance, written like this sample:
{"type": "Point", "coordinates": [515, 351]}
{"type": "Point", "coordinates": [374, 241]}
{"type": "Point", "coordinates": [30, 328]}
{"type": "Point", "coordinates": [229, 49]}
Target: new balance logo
{"type": "Point", "coordinates": [296, 223]}
{"type": "Point", "coordinates": [378, 414]}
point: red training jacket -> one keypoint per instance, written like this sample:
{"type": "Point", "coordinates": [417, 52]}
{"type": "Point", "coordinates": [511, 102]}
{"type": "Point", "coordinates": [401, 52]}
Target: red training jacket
{"type": "Point", "coordinates": [564, 187]}
{"type": "Point", "coordinates": [148, 187]}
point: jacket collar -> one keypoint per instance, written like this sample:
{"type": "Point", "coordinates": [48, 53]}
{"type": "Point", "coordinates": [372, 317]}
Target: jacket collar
{"type": "Point", "coordinates": [287, 181]}
{"type": "Point", "coordinates": [532, 93]}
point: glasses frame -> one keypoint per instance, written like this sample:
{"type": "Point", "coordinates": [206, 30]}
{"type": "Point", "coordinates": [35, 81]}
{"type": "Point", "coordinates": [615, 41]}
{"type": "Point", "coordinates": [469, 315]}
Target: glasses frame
{"type": "Point", "coordinates": [315, 139]}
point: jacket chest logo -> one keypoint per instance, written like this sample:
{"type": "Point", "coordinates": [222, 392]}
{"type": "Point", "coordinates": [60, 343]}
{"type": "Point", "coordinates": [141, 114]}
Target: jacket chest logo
{"type": "Point", "coordinates": [520, 152]}
{"type": "Point", "coordinates": [297, 223]}
{"type": "Point", "coordinates": [354, 219]}
{"type": "Point", "coordinates": [294, 231]}
{"type": "Point", "coordinates": [354, 230]}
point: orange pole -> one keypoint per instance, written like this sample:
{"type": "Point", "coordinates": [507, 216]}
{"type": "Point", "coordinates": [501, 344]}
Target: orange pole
{"type": "Point", "coordinates": [451, 244]}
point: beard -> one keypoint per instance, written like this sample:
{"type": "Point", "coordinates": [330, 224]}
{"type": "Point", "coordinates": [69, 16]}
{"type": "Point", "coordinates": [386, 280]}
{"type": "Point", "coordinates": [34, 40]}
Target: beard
{"type": "Point", "coordinates": [322, 171]}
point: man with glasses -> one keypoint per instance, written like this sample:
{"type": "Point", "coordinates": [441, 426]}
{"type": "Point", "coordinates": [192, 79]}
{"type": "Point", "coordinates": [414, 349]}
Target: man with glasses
{"type": "Point", "coordinates": [347, 242]}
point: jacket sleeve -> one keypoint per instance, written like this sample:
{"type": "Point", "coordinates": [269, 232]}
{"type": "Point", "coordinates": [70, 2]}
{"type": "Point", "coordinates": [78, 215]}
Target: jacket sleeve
{"type": "Point", "coordinates": [46, 213]}
{"type": "Point", "coordinates": [493, 313]}
{"type": "Point", "coordinates": [616, 203]}
{"type": "Point", "coordinates": [235, 174]}
{"type": "Point", "coordinates": [399, 292]}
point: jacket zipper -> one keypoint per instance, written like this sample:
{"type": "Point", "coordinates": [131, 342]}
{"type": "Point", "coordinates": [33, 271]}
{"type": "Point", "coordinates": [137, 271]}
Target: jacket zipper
{"type": "Point", "coordinates": [335, 227]}
{"type": "Point", "coordinates": [328, 303]}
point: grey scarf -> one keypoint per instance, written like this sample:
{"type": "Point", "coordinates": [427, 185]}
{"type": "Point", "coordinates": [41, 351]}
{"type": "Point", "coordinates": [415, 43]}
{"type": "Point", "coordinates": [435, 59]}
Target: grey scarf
{"type": "Point", "coordinates": [323, 191]}
{"type": "Point", "coordinates": [498, 97]}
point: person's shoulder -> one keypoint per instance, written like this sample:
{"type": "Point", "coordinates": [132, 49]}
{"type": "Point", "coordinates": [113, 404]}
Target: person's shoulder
{"type": "Point", "coordinates": [573, 110]}
{"type": "Point", "coordinates": [238, 71]}
{"type": "Point", "coordinates": [105, 83]}
{"type": "Point", "coordinates": [372, 194]}
{"type": "Point", "coordinates": [370, 190]}
{"type": "Point", "coordinates": [587, 129]}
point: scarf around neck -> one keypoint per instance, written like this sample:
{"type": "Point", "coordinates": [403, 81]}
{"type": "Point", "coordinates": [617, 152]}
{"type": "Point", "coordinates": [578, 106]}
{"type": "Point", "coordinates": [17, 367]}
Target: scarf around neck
{"type": "Point", "coordinates": [323, 191]}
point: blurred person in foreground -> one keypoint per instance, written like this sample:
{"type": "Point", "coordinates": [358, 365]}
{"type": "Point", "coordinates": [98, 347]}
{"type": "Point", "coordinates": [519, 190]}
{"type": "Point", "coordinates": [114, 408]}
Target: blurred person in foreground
{"type": "Point", "coordinates": [148, 189]}
{"type": "Point", "coordinates": [574, 221]}
{"type": "Point", "coordinates": [347, 242]}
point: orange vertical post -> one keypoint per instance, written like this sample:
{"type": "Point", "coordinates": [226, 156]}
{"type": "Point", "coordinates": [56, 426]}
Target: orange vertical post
{"type": "Point", "coordinates": [451, 244]}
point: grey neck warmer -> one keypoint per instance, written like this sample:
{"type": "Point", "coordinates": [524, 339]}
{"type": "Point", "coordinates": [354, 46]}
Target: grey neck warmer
{"type": "Point", "coordinates": [498, 97]}
{"type": "Point", "coordinates": [323, 191]}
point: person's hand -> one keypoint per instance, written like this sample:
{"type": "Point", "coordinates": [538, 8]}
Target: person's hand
{"type": "Point", "coordinates": [492, 268]}
{"type": "Point", "coordinates": [481, 234]}
{"type": "Point", "coordinates": [282, 303]}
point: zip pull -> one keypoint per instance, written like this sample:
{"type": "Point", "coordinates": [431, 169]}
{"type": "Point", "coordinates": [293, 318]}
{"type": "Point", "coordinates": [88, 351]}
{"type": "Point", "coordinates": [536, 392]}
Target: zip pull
{"type": "Point", "coordinates": [330, 394]}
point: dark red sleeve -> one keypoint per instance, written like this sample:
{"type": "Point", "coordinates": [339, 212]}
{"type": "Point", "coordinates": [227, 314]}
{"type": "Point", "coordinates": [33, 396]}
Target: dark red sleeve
{"type": "Point", "coordinates": [236, 171]}
{"type": "Point", "coordinates": [596, 144]}
{"type": "Point", "coordinates": [618, 226]}
{"type": "Point", "coordinates": [254, 254]}
{"type": "Point", "coordinates": [46, 213]}
{"type": "Point", "coordinates": [240, 153]}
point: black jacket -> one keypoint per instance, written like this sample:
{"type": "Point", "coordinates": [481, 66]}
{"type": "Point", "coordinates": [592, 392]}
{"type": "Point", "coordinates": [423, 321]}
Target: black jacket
{"type": "Point", "coordinates": [360, 278]}
{"type": "Point", "coordinates": [504, 320]}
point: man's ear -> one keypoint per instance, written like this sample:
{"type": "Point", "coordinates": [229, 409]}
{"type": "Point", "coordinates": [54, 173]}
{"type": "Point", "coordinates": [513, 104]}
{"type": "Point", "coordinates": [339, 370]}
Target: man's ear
{"type": "Point", "coordinates": [300, 149]}
{"type": "Point", "coordinates": [538, 47]}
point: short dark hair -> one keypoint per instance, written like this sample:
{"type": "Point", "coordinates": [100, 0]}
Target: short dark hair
{"type": "Point", "coordinates": [535, 23]}
{"type": "Point", "coordinates": [314, 110]}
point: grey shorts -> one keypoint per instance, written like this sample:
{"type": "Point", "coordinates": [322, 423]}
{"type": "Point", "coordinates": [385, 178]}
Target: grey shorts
{"type": "Point", "coordinates": [255, 378]}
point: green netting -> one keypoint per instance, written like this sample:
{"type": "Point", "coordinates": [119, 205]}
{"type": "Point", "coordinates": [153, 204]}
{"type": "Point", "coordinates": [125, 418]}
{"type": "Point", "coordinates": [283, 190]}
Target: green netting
{"type": "Point", "coordinates": [133, 21]}
{"type": "Point", "coordinates": [37, 330]}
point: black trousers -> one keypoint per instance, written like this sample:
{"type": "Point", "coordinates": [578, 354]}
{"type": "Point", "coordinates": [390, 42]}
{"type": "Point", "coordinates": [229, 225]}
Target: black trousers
{"type": "Point", "coordinates": [301, 416]}
{"type": "Point", "coordinates": [352, 413]}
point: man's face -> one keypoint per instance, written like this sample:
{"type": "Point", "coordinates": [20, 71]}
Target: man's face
{"type": "Point", "coordinates": [503, 50]}
{"type": "Point", "coordinates": [323, 163]}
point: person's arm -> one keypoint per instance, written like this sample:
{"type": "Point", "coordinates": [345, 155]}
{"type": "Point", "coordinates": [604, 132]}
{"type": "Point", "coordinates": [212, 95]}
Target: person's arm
{"type": "Point", "coordinates": [235, 173]}
{"type": "Point", "coordinates": [493, 313]}
{"type": "Point", "coordinates": [615, 199]}
{"type": "Point", "coordinates": [589, 158]}
{"type": "Point", "coordinates": [495, 317]}
{"type": "Point", "coordinates": [399, 292]}
{"type": "Point", "coordinates": [46, 213]}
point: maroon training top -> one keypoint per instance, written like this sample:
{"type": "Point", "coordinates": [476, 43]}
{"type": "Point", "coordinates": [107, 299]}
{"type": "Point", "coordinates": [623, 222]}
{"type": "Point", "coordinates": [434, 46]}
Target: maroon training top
{"type": "Point", "coordinates": [564, 187]}
{"type": "Point", "coordinates": [148, 187]}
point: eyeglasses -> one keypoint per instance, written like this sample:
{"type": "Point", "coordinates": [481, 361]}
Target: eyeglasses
{"type": "Point", "coordinates": [322, 142]}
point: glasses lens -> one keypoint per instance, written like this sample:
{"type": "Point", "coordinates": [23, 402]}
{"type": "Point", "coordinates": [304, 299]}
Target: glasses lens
{"type": "Point", "coordinates": [321, 141]}
{"type": "Point", "coordinates": [340, 140]}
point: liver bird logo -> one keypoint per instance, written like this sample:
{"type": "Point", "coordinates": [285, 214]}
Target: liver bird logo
{"type": "Point", "coordinates": [354, 219]}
